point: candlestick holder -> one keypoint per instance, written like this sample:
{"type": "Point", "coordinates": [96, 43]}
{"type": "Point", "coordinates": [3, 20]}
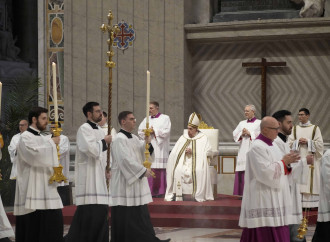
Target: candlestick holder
{"type": "Point", "coordinates": [58, 174]}
{"type": "Point", "coordinates": [147, 163]}
{"type": "Point", "coordinates": [2, 145]}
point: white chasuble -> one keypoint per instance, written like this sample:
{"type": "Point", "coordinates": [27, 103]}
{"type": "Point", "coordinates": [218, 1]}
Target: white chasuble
{"type": "Point", "coordinates": [266, 198]}
{"type": "Point", "coordinates": [12, 149]}
{"type": "Point", "coordinates": [90, 166]}
{"type": "Point", "coordinates": [189, 174]}
{"type": "Point", "coordinates": [37, 155]}
{"type": "Point", "coordinates": [323, 214]}
{"type": "Point", "coordinates": [160, 140]}
{"type": "Point", "coordinates": [245, 141]}
{"type": "Point", "coordinates": [128, 186]}
{"type": "Point", "coordinates": [313, 146]}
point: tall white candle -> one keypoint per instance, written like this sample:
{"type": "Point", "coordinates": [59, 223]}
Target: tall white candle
{"type": "Point", "coordinates": [55, 92]}
{"type": "Point", "coordinates": [148, 95]}
{"type": "Point", "coordinates": [0, 96]}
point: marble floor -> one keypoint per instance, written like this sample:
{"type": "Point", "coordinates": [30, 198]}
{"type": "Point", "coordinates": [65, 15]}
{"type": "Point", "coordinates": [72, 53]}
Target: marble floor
{"type": "Point", "coordinates": [200, 234]}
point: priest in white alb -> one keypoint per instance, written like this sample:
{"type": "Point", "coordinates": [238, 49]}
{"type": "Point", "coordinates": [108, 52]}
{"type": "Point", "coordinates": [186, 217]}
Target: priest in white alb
{"type": "Point", "coordinates": [38, 207]}
{"type": "Point", "coordinates": [266, 209]}
{"type": "Point", "coordinates": [188, 175]}
{"type": "Point", "coordinates": [160, 125]}
{"type": "Point", "coordinates": [244, 134]}
{"type": "Point", "coordinates": [12, 148]}
{"type": "Point", "coordinates": [307, 139]}
{"type": "Point", "coordinates": [322, 231]}
{"type": "Point", "coordinates": [90, 221]}
{"type": "Point", "coordinates": [130, 193]}
{"type": "Point", "coordinates": [299, 172]}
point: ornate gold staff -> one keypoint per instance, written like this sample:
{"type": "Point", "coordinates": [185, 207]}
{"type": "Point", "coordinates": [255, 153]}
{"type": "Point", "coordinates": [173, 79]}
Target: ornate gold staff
{"type": "Point", "coordinates": [110, 64]}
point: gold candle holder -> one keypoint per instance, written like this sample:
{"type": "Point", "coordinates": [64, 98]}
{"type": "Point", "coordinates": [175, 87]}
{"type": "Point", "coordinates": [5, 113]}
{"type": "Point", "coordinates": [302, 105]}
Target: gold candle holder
{"type": "Point", "coordinates": [58, 174]}
{"type": "Point", "coordinates": [147, 163]}
{"type": "Point", "coordinates": [2, 145]}
{"type": "Point", "coordinates": [302, 230]}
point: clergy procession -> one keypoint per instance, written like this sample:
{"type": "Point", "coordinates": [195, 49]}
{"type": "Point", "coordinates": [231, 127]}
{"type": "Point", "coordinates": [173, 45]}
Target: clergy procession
{"type": "Point", "coordinates": [161, 121]}
{"type": "Point", "coordinates": [273, 174]}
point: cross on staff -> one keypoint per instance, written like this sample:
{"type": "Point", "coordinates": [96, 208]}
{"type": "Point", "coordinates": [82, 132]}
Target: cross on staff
{"type": "Point", "coordinates": [112, 30]}
{"type": "Point", "coordinates": [263, 65]}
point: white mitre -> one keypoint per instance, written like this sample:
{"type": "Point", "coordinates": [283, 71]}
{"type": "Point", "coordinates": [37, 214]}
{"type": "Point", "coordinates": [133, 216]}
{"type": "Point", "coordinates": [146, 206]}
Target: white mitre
{"type": "Point", "coordinates": [193, 120]}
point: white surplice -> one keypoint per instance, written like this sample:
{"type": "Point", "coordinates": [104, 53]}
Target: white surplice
{"type": "Point", "coordinates": [314, 146]}
{"type": "Point", "coordinates": [190, 172]}
{"type": "Point", "coordinates": [245, 141]}
{"type": "Point", "coordinates": [90, 166]}
{"type": "Point", "coordinates": [5, 227]}
{"type": "Point", "coordinates": [324, 207]}
{"type": "Point", "coordinates": [65, 157]}
{"type": "Point", "coordinates": [266, 198]}
{"type": "Point", "coordinates": [12, 149]}
{"type": "Point", "coordinates": [298, 176]}
{"type": "Point", "coordinates": [160, 140]}
{"type": "Point", "coordinates": [37, 155]}
{"type": "Point", "coordinates": [128, 186]}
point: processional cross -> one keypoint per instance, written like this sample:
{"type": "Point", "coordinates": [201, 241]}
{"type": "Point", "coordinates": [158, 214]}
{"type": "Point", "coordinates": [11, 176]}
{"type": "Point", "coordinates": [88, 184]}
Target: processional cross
{"type": "Point", "coordinates": [263, 65]}
{"type": "Point", "coordinates": [112, 30]}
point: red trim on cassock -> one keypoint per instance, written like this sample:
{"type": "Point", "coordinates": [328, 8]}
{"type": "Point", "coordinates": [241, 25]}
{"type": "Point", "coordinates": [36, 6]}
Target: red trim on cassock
{"type": "Point", "coordinates": [287, 170]}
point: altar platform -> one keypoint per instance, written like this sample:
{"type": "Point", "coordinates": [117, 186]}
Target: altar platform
{"type": "Point", "coordinates": [222, 213]}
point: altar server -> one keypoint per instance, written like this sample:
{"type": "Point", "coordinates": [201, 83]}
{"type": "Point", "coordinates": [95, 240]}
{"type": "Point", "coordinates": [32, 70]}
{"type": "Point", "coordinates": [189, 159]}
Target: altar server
{"type": "Point", "coordinates": [38, 207]}
{"type": "Point", "coordinates": [90, 221]}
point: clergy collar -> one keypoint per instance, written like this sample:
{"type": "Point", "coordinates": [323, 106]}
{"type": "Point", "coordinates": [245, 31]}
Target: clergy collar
{"type": "Point", "coordinates": [128, 134]}
{"type": "Point", "coordinates": [156, 116]}
{"type": "Point", "coordinates": [33, 131]}
{"type": "Point", "coordinates": [265, 139]}
{"type": "Point", "coordinates": [94, 125]}
{"type": "Point", "coordinates": [252, 120]}
{"type": "Point", "coordinates": [308, 123]}
{"type": "Point", "coordinates": [283, 137]}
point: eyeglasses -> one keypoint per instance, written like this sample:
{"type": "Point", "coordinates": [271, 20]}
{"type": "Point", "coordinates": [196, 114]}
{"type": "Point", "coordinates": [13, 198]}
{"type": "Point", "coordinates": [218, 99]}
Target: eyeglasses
{"type": "Point", "coordinates": [274, 128]}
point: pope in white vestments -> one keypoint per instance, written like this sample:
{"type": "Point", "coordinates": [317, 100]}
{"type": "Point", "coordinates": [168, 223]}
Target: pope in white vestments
{"type": "Point", "coordinates": [307, 139]}
{"type": "Point", "coordinates": [244, 134]}
{"type": "Point", "coordinates": [266, 208]}
{"type": "Point", "coordinates": [160, 140]}
{"type": "Point", "coordinates": [129, 187]}
{"type": "Point", "coordinates": [38, 206]}
{"type": "Point", "coordinates": [322, 231]}
{"type": "Point", "coordinates": [188, 176]}
{"type": "Point", "coordinates": [12, 148]}
{"type": "Point", "coordinates": [90, 221]}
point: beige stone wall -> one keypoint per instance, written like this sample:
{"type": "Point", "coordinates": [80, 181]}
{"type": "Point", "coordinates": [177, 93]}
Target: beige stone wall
{"type": "Point", "coordinates": [159, 47]}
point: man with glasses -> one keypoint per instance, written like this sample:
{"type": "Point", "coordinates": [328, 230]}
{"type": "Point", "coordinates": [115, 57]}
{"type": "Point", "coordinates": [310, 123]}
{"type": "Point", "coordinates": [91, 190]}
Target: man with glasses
{"type": "Point", "coordinates": [12, 148]}
{"type": "Point", "coordinates": [130, 193]}
{"type": "Point", "coordinates": [90, 221]}
{"type": "Point", "coordinates": [306, 138]}
{"type": "Point", "coordinates": [266, 208]}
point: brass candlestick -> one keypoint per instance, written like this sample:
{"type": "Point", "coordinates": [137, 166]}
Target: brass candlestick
{"type": "Point", "coordinates": [302, 230]}
{"type": "Point", "coordinates": [2, 145]}
{"type": "Point", "coordinates": [147, 163]}
{"type": "Point", "coordinates": [58, 175]}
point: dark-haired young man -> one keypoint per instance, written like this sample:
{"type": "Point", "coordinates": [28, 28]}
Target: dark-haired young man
{"type": "Point", "coordinates": [38, 207]}
{"type": "Point", "coordinates": [130, 193]}
{"type": "Point", "coordinates": [299, 172]}
{"type": "Point", "coordinates": [306, 138]}
{"type": "Point", "coordinates": [90, 222]}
